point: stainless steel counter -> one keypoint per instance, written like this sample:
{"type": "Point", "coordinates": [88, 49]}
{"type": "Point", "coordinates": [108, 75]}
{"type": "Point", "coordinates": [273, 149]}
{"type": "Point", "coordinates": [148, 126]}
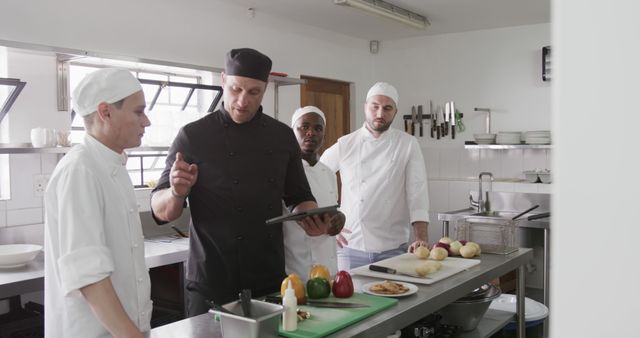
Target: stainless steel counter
{"type": "Point", "coordinates": [428, 299]}
{"type": "Point", "coordinates": [30, 278]}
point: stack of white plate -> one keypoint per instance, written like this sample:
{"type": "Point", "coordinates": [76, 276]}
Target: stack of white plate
{"type": "Point", "coordinates": [537, 137]}
{"type": "Point", "coordinates": [485, 138]}
{"type": "Point", "coordinates": [508, 137]}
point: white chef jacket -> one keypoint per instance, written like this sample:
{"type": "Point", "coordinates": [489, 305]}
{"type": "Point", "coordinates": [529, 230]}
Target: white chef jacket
{"type": "Point", "coordinates": [384, 187]}
{"type": "Point", "coordinates": [301, 251]}
{"type": "Point", "coordinates": [92, 231]}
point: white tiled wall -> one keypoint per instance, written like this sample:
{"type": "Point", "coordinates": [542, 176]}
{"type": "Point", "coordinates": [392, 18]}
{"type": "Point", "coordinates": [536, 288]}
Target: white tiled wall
{"type": "Point", "coordinates": [453, 172]}
{"type": "Point", "coordinates": [22, 215]}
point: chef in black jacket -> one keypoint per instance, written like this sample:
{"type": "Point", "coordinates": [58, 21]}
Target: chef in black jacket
{"type": "Point", "coordinates": [235, 166]}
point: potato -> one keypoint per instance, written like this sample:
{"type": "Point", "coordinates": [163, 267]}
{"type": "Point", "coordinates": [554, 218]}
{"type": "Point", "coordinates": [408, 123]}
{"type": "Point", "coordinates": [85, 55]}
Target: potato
{"type": "Point", "coordinates": [454, 248]}
{"type": "Point", "coordinates": [428, 267]}
{"type": "Point", "coordinates": [439, 254]}
{"type": "Point", "coordinates": [445, 240]}
{"type": "Point", "coordinates": [424, 269]}
{"type": "Point", "coordinates": [435, 265]}
{"type": "Point", "coordinates": [422, 252]}
{"type": "Point", "coordinates": [468, 251]}
{"type": "Point", "coordinates": [477, 246]}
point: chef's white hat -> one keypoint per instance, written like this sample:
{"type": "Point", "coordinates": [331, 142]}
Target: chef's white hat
{"type": "Point", "coordinates": [306, 110]}
{"type": "Point", "coordinates": [108, 85]}
{"type": "Point", "coordinates": [383, 88]}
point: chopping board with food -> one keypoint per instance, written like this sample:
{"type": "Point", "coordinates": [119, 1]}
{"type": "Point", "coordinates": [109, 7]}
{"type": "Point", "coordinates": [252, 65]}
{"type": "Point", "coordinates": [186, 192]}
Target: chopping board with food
{"type": "Point", "coordinates": [426, 266]}
{"type": "Point", "coordinates": [323, 321]}
{"type": "Point", "coordinates": [406, 264]}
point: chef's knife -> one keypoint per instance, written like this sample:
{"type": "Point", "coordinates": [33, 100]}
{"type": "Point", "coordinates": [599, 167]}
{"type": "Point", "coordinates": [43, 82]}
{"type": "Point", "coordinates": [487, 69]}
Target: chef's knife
{"type": "Point", "coordinates": [447, 108]}
{"type": "Point", "coordinates": [406, 126]}
{"type": "Point", "coordinates": [437, 122]}
{"type": "Point", "coordinates": [317, 303]}
{"type": "Point", "coordinates": [413, 120]}
{"type": "Point", "coordinates": [420, 118]}
{"type": "Point", "coordinates": [453, 120]}
{"type": "Point", "coordinates": [379, 268]}
{"type": "Point", "coordinates": [431, 118]}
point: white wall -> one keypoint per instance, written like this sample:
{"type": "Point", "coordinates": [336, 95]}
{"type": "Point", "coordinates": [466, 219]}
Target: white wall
{"type": "Point", "coordinates": [594, 292]}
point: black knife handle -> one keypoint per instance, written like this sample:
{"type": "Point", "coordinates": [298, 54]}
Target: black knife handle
{"type": "Point", "coordinates": [379, 268]}
{"type": "Point", "coordinates": [406, 126]}
{"type": "Point", "coordinates": [273, 299]}
{"type": "Point", "coordinates": [413, 128]}
{"type": "Point", "coordinates": [420, 129]}
{"type": "Point", "coordinates": [438, 131]}
{"type": "Point", "coordinates": [453, 132]}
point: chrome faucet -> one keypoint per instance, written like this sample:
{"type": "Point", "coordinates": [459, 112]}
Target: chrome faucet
{"type": "Point", "coordinates": [483, 204]}
{"type": "Point", "coordinates": [487, 122]}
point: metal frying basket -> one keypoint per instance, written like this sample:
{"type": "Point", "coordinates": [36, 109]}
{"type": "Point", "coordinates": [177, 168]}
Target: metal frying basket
{"type": "Point", "coordinates": [495, 235]}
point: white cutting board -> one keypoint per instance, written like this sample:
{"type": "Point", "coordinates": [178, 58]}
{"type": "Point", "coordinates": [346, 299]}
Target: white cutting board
{"type": "Point", "coordinates": [408, 262]}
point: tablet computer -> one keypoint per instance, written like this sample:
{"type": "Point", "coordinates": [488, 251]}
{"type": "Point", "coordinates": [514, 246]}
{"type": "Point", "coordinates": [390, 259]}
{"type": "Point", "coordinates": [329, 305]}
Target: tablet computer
{"type": "Point", "coordinates": [302, 214]}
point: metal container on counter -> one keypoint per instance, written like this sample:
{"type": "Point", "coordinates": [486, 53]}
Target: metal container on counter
{"type": "Point", "coordinates": [263, 321]}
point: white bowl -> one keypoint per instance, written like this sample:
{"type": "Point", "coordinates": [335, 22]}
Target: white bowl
{"type": "Point", "coordinates": [14, 255]}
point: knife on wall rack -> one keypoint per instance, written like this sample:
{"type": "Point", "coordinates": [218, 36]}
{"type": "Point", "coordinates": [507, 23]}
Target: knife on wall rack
{"type": "Point", "coordinates": [420, 119]}
{"type": "Point", "coordinates": [432, 122]}
{"type": "Point", "coordinates": [413, 120]}
{"type": "Point", "coordinates": [453, 120]}
{"type": "Point", "coordinates": [438, 127]}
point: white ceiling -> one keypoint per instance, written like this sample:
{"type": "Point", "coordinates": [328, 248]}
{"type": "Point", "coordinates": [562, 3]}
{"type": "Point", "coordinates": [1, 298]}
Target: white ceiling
{"type": "Point", "coordinates": [446, 16]}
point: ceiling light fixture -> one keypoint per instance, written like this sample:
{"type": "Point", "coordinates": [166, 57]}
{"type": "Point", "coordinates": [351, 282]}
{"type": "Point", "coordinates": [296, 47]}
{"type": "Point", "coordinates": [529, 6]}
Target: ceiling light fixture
{"type": "Point", "coordinates": [388, 10]}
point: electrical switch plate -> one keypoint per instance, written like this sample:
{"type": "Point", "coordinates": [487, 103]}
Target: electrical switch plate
{"type": "Point", "coordinates": [40, 184]}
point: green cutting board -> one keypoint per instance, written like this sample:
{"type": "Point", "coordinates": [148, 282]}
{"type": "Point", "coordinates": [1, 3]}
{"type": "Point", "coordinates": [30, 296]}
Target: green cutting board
{"type": "Point", "coordinates": [325, 321]}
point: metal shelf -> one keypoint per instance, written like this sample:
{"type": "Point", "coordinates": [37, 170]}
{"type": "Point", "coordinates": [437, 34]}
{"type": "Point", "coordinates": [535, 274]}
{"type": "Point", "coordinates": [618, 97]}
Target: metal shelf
{"type": "Point", "coordinates": [492, 322]}
{"type": "Point", "coordinates": [26, 148]}
{"type": "Point", "coordinates": [507, 146]}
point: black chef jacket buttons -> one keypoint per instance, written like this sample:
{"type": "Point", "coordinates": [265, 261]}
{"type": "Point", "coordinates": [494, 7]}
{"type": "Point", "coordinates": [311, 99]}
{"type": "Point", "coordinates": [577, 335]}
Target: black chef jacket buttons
{"type": "Point", "coordinates": [239, 238]}
{"type": "Point", "coordinates": [239, 209]}
{"type": "Point", "coordinates": [271, 180]}
{"type": "Point", "coordinates": [269, 206]}
{"type": "Point", "coordinates": [236, 181]}
{"type": "Point", "coordinates": [231, 153]}
{"type": "Point", "coordinates": [270, 152]}
{"type": "Point", "coordinates": [226, 125]}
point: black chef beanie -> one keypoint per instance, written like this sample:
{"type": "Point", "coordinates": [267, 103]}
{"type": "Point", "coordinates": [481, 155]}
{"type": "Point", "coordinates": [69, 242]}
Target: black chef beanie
{"type": "Point", "coordinates": [248, 62]}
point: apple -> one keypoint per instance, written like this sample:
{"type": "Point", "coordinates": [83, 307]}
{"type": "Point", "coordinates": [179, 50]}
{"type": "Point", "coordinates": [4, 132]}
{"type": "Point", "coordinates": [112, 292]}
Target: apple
{"type": "Point", "coordinates": [441, 245]}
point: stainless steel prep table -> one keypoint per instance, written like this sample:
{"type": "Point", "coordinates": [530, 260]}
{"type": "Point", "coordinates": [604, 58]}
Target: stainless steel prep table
{"type": "Point", "coordinates": [428, 299]}
{"type": "Point", "coordinates": [30, 278]}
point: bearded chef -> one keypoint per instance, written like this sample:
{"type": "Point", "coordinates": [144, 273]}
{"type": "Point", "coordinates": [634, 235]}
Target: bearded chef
{"type": "Point", "coordinates": [384, 185]}
{"type": "Point", "coordinates": [96, 280]}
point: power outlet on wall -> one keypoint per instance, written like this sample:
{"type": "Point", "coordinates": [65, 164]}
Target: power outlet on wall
{"type": "Point", "coordinates": [40, 184]}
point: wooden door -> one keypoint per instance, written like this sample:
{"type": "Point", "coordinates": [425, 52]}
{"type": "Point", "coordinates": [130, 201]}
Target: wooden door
{"type": "Point", "coordinates": [332, 97]}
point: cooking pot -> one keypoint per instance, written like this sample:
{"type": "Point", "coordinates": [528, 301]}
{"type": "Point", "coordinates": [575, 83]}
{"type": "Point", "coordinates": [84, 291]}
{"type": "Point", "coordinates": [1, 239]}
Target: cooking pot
{"type": "Point", "coordinates": [43, 137]}
{"type": "Point", "coordinates": [467, 311]}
